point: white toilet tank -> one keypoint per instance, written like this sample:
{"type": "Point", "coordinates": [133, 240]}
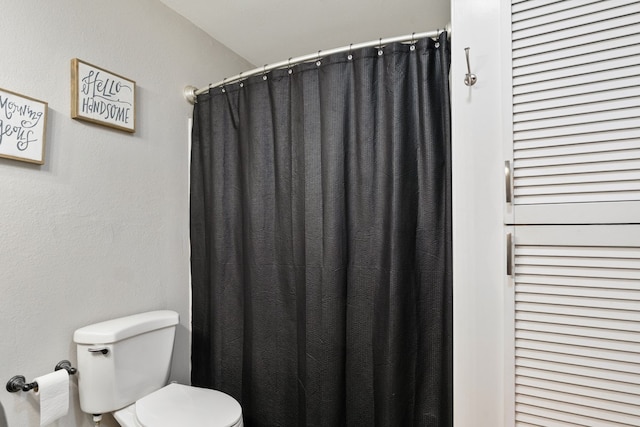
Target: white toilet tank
{"type": "Point", "coordinates": [124, 359]}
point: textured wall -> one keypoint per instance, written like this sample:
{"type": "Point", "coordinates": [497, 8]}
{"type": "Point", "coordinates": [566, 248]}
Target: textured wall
{"type": "Point", "coordinates": [101, 229]}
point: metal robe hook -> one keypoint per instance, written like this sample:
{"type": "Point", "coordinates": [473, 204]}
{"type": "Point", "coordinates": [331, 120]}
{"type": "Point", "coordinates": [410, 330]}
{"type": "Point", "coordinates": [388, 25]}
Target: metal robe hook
{"type": "Point", "coordinates": [469, 79]}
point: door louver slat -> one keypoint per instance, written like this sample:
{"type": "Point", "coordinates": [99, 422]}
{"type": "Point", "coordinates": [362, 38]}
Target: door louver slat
{"type": "Point", "coordinates": [577, 333]}
{"type": "Point", "coordinates": [576, 102]}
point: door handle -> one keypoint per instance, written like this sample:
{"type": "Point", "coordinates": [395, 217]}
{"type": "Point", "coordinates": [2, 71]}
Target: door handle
{"type": "Point", "coordinates": [509, 254]}
{"type": "Point", "coordinates": [507, 182]}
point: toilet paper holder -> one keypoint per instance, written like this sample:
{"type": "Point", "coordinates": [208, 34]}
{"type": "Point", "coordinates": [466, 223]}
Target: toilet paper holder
{"type": "Point", "coordinates": [19, 382]}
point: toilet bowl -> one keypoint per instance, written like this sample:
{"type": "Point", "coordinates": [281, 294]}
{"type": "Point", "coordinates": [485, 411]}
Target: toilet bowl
{"type": "Point", "coordinates": [180, 405]}
{"type": "Point", "coordinates": [123, 368]}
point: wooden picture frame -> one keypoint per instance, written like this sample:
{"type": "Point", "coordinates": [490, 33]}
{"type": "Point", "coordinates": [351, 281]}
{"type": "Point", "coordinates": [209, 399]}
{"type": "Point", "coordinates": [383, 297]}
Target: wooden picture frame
{"type": "Point", "coordinates": [102, 97]}
{"type": "Point", "coordinates": [23, 126]}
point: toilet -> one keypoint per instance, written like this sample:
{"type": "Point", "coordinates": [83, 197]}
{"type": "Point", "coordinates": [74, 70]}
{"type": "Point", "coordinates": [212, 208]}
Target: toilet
{"type": "Point", "coordinates": [123, 368]}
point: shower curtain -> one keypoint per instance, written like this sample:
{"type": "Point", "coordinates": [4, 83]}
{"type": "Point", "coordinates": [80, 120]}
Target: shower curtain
{"type": "Point", "coordinates": [321, 241]}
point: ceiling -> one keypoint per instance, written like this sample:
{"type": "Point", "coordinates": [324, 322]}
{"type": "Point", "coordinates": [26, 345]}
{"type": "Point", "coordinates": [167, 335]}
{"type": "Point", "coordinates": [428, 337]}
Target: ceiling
{"type": "Point", "coordinates": [265, 32]}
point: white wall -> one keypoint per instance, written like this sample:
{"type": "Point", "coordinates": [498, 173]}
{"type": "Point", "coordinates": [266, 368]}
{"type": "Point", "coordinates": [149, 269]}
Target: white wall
{"type": "Point", "coordinates": [478, 237]}
{"type": "Point", "coordinates": [100, 230]}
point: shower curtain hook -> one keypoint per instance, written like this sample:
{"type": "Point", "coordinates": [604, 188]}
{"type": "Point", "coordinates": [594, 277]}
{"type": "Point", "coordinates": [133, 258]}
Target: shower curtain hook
{"type": "Point", "coordinates": [290, 71]}
{"type": "Point", "coordinates": [350, 56]}
{"type": "Point", "coordinates": [223, 85]}
{"type": "Point", "coordinates": [318, 59]}
{"type": "Point", "coordinates": [264, 72]}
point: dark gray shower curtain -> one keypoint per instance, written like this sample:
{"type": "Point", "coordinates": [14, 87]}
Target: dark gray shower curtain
{"type": "Point", "coordinates": [321, 241]}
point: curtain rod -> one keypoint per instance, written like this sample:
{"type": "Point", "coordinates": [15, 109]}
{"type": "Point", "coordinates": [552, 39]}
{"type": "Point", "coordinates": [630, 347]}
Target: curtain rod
{"type": "Point", "coordinates": [191, 92]}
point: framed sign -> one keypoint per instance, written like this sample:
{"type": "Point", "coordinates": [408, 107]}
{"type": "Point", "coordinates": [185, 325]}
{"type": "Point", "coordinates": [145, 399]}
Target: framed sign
{"type": "Point", "coordinates": [102, 97]}
{"type": "Point", "coordinates": [23, 123]}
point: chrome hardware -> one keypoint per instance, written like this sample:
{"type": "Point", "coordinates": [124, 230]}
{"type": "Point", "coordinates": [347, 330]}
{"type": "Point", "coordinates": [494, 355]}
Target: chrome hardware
{"type": "Point", "coordinates": [509, 254]}
{"type": "Point", "coordinates": [469, 79]}
{"type": "Point", "coordinates": [189, 93]}
{"type": "Point", "coordinates": [507, 182]}
{"type": "Point", "coordinates": [102, 350]}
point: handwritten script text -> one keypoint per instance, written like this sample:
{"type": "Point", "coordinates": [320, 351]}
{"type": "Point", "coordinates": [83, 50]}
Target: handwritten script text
{"type": "Point", "coordinates": [105, 97]}
{"type": "Point", "coordinates": [18, 122]}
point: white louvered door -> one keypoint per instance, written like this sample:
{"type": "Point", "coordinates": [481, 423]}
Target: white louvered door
{"type": "Point", "coordinates": [577, 325]}
{"type": "Point", "coordinates": [573, 208]}
{"type": "Point", "coordinates": [576, 111]}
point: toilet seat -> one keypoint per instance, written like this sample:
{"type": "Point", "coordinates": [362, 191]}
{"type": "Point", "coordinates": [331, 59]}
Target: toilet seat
{"type": "Point", "coordinates": [181, 405]}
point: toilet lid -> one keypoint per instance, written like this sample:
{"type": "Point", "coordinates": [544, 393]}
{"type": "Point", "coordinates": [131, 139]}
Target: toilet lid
{"type": "Point", "coordinates": [181, 405]}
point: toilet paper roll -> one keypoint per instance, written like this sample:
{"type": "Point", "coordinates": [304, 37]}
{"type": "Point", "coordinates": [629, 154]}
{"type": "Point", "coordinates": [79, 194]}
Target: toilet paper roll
{"type": "Point", "coordinates": [53, 391]}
